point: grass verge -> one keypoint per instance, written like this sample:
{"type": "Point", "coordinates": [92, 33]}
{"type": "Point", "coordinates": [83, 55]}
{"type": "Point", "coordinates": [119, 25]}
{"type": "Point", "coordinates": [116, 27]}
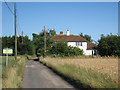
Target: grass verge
{"type": "Point", "coordinates": [12, 75]}
{"type": "Point", "coordinates": [79, 76]}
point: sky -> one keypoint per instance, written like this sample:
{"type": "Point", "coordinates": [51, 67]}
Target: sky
{"type": "Point", "coordinates": [91, 18]}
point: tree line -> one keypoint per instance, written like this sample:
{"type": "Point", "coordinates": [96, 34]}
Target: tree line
{"type": "Point", "coordinates": [107, 45]}
{"type": "Point", "coordinates": [22, 48]}
{"type": "Point", "coordinates": [60, 49]}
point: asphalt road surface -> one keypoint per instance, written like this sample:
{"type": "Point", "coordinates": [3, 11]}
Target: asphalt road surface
{"type": "Point", "coordinates": [39, 76]}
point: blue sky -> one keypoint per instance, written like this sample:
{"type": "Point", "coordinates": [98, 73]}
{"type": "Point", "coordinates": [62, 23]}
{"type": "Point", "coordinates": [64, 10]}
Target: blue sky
{"type": "Point", "coordinates": [89, 18]}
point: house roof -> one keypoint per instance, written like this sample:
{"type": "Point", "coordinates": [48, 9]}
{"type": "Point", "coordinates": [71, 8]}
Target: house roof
{"type": "Point", "coordinates": [91, 46]}
{"type": "Point", "coordinates": [68, 38]}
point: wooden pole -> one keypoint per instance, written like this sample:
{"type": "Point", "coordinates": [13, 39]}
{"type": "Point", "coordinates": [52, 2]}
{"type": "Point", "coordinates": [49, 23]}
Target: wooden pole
{"type": "Point", "coordinates": [15, 33]}
{"type": "Point", "coordinates": [22, 42]}
{"type": "Point", "coordinates": [44, 41]}
{"type": "Point", "coordinates": [22, 37]}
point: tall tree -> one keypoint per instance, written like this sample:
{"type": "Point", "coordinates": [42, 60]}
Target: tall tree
{"type": "Point", "coordinates": [38, 40]}
{"type": "Point", "coordinates": [25, 48]}
{"type": "Point", "coordinates": [87, 37]}
{"type": "Point", "coordinates": [109, 45]}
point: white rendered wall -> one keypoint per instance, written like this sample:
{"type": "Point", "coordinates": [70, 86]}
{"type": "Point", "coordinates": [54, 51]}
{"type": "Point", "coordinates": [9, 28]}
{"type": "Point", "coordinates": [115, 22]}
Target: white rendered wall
{"type": "Point", "coordinates": [88, 52]}
{"type": "Point", "coordinates": [83, 47]}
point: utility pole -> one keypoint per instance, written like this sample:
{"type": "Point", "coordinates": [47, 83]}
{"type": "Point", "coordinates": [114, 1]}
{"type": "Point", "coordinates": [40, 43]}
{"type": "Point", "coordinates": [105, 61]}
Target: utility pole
{"type": "Point", "coordinates": [22, 42]}
{"type": "Point", "coordinates": [15, 32]}
{"type": "Point", "coordinates": [22, 37]}
{"type": "Point", "coordinates": [44, 41]}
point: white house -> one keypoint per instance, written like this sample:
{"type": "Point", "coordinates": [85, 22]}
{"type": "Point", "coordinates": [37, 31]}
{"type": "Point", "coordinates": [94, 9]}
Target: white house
{"type": "Point", "coordinates": [77, 41]}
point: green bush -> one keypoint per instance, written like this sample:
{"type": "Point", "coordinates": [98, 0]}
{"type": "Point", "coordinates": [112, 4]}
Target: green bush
{"type": "Point", "coordinates": [26, 47]}
{"type": "Point", "coordinates": [53, 48]}
{"type": "Point", "coordinates": [62, 49]}
{"type": "Point", "coordinates": [40, 52]}
{"type": "Point", "coordinates": [109, 45]}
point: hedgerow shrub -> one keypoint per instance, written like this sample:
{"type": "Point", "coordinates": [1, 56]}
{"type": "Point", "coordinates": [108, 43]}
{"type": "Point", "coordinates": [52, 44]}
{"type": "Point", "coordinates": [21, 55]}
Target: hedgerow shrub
{"type": "Point", "coordinates": [62, 49]}
{"type": "Point", "coordinates": [109, 45]}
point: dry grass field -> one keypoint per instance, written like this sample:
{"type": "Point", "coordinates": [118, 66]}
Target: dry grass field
{"type": "Point", "coordinates": [106, 66]}
{"type": "Point", "coordinates": [13, 73]}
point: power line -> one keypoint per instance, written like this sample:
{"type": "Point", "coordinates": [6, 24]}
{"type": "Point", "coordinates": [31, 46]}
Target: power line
{"type": "Point", "coordinates": [8, 7]}
{"type": "Point", "coordinates": [18, 21]}
{"type": "Point", "coordinates": [18, 26]}
{"type": "Point", "coordinates": [19, 30]}
{"type": "Point", "coordinates": [12, 13]}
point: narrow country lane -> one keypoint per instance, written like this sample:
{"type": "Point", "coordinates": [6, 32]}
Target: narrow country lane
{"type": "Point", "coordinates": [39, 76]}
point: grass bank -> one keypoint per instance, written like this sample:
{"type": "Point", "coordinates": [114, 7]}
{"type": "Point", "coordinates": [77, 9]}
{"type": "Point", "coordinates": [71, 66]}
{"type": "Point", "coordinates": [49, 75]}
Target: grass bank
{"type": "Point", "coordinates": [12, 75]}
{"type": "Point", "coordinates": [86, 72]}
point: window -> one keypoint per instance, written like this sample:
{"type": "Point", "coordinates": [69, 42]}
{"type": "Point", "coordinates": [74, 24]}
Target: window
{"type": "Point", "coordinates": [78, 43]}
{"type": "Point", "coordinates": [81, 44]}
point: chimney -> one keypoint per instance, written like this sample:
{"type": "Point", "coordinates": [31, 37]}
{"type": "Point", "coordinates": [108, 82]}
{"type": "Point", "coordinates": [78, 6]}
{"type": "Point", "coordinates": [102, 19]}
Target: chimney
{"type": "Point", "coordinates": [61, 33]}
{"type": "Point", "coordinates": [68, 32]}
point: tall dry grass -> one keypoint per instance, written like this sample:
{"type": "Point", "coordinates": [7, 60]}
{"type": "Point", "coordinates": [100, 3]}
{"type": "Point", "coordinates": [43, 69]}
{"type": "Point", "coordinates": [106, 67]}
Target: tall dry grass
{"type": "Point", "coordinates": [12, 75]}
{"type": "Point", "coordinates": [108, 66]}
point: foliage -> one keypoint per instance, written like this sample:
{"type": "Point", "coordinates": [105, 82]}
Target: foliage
{"type": "Point", "coordinates": [53, 48]}
{"type": "Point", "coordinates": [38, 41]}
{"type": "Point", "coordinates": [62, 49]}
{"type": "Point", "coordinates": [87, 37]}
{"type": "Point", "coordinates": [25, 48]}
{"type": "Point", "coordinates": [109, 45]}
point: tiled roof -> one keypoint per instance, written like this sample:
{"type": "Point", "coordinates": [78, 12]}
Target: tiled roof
{"type": "Point", "coordinates": [74, 38]}
{"type": "Point", "coordinates": [91, 46]}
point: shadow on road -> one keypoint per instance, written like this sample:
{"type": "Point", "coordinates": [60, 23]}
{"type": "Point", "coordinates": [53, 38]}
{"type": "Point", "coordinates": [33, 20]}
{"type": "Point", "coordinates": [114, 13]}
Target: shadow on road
{"type": "Point", "coordinates": [74, 83]}
{"type": "Point", "coordinates": [34, 59]}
